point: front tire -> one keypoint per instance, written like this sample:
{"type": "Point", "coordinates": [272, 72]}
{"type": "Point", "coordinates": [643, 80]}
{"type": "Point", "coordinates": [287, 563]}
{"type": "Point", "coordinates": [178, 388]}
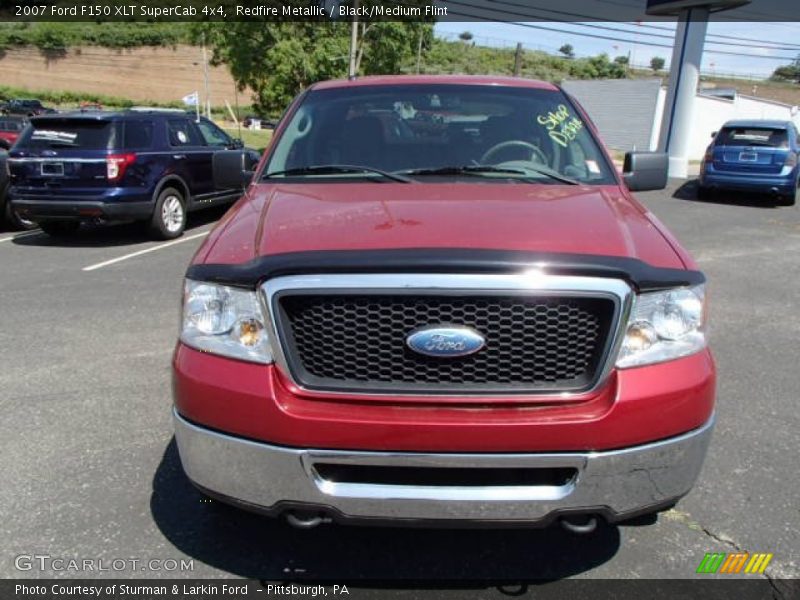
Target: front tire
{"type": "Point", "coordinates": [169, 215]}
{"type": "Point", "coordinates": [789, 199]}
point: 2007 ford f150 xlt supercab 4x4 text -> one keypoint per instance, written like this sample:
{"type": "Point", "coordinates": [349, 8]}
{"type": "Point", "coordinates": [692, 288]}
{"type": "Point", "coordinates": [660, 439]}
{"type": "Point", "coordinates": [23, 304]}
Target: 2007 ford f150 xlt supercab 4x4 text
{"type": "Point", "coordinates": [437, 302]}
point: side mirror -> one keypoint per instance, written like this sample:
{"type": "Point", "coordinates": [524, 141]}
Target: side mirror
{"type": "Point", "coordinates": [233, 169]}
{"type": "Point", "coordinates": [714, 134]}
{"type": "Point", "coordinates": [645, 171]}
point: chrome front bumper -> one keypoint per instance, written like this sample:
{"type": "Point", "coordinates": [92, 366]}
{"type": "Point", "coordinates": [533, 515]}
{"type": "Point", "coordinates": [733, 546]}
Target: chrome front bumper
{"type": "Point", "coordinates": [617, 484]}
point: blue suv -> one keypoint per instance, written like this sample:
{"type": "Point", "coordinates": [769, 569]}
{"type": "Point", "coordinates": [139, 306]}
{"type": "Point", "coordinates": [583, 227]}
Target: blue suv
{"type": "Point", "coordinates": [754, 156]}
{"type": "Point", "coordinates": [152, 166]}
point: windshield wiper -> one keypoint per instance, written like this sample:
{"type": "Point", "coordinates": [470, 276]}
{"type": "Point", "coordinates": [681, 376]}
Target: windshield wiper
{"type": "Point", "coordinates": [335, 169]}
{"type": "Point", "coordinates": [481, 169]}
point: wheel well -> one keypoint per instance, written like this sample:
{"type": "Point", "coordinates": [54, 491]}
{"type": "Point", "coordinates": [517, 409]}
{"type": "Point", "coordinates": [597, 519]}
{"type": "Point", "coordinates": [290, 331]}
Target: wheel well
{"type": "Point", "coordinates": [176, 183]}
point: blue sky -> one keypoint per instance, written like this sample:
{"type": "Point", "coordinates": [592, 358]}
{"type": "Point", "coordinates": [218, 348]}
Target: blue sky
{"type": "Point", "coordinates": [757, 40]}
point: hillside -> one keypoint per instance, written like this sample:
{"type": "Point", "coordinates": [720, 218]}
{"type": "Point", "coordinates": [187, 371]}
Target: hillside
{"type": "Point", "coordinates": [788, 93]}
{"type": "Point", "coordinates": [155, 74]}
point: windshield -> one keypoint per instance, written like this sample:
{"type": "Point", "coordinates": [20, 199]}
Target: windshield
{"type": "Point", "coordinates": [439, 132]}
{"type": "Point", "coordinates": [753, 136]}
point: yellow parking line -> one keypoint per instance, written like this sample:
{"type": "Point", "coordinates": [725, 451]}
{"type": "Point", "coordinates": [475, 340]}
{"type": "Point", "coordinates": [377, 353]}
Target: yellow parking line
{"type": "Point", "coordinates": [106, 263]}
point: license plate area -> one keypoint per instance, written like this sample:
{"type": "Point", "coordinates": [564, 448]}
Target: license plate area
{"type": "Point", "coordinates": [52, 169]}
{"type": "Point", "coordinates": [748, 156]}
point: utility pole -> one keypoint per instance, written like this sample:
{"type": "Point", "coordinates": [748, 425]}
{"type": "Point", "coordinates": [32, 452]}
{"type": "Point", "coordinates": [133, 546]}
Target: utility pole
{"type": "Point", "coordinates": [419, 50]}
{"type": "Point", "coordinates": [518, 60]}
{"type": "Point", "coordinates": [205, 77]}
{"type": "Point", "coordinates": [351, 72]}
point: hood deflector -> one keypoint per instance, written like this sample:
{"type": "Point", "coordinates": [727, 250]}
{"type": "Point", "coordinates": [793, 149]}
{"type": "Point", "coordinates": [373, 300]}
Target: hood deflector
{"type": "Point", "coordinates": [642, 276]}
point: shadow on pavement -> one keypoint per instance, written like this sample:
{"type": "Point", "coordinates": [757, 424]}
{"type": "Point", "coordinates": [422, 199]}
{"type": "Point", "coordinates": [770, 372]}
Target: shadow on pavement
{"type": "Point", "coordinates": [253, 546]}
{"type": "Point", "coordinates": [91, 236]}
{"type": "Point", "coordinates": [688, 191]}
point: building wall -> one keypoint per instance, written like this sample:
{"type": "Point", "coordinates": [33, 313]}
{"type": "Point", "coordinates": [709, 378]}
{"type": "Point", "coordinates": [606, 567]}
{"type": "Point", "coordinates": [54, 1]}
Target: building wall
{"type": "Point", "coordinates": [624, 110]}
{"type": "Point", "coordinates": [628, 113]}
{"type": "Point", "coordinates": [710, 114]}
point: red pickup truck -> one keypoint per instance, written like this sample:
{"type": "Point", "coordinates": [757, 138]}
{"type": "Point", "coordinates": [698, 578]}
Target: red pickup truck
{"type": "Point", "coordinates": [469, 323]}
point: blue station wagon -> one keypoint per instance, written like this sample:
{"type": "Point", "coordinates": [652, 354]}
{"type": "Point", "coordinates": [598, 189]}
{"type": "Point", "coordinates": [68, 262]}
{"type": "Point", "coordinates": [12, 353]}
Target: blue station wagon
{"type": "Point", "coordinates": [152, 166]}
{"type": "Point", "coordinates": [753, 156]}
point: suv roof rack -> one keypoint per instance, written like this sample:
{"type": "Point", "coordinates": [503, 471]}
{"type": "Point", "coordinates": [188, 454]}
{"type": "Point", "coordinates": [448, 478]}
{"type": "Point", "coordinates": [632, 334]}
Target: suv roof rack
{"type": "Point", "coordinates": [155, 109]}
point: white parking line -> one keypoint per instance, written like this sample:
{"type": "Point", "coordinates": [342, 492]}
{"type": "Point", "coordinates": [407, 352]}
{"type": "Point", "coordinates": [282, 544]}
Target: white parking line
{"type": "Point", "coordinates": [20, 235]}
{"type": "Point", "coordinates": [106, 263]}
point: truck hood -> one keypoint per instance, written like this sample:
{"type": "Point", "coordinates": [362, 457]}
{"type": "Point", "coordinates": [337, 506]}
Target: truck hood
{"type": "Point", "coordinates": [279, 218]}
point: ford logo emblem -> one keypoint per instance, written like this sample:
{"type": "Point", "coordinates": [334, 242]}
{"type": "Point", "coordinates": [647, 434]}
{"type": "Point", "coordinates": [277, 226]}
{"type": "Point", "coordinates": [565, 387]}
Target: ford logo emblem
{"type": "Point", "coordinates": [445, 341]}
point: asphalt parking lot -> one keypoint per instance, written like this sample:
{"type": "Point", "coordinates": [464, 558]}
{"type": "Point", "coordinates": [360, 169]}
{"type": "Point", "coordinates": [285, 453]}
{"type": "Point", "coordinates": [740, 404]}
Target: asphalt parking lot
{"type": "Point", "coordinates": [91, 470]}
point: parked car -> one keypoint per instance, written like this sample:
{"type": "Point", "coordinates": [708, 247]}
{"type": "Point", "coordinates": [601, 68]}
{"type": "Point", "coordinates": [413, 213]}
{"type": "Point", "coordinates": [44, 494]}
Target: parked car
{"type": "Point", "coordinates": [258, 122]}
{"type": "Point", "coordinates": [479, 325]}
{"type": "Point", "coordinates": [753, 156]}
{"type": "Point", "coordinates": [139, 165]}
{"type": "Point", "coordinates": [87, 106]}
{"type": "Point", "coordinates": [10, 128]}
{"type": "Point", "coordinates": [25, 108]}
{"type": "Point", "coordinates": [8, 217]}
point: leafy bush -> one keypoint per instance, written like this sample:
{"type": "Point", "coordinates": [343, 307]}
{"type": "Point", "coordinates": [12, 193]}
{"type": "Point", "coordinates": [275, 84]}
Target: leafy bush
{"type": "Point", "coordinates": [58, 37]}
{"type": "Point", "coordinates": [62, 97]}
{"type": "Point", "coordinates": [454, 57]}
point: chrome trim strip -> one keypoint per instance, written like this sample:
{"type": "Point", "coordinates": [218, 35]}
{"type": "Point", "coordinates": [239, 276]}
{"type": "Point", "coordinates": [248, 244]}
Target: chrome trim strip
{"type": "Point", "coordinates": [266, 475]}
{"type": "Point", "coordinates": [55, 159]}
{"type": "Point", "coordinates": [32, 159]}
{"type": "Point", "coordinates": [535, 282]}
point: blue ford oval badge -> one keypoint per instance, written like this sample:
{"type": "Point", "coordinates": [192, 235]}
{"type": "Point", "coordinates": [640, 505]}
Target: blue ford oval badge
{"type": "Point", "coordinates": [445, 341]}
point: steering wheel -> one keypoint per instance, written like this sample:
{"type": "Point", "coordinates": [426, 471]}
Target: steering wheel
{"type": "Point", "coordinates": [536, 154]}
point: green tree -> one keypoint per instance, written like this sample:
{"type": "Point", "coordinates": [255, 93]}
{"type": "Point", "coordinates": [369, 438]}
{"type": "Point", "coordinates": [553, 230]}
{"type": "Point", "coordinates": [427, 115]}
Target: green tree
{"type": "Point", "coordinates": [622, 60]}
{"type": "Point", "coordinates": [567, 50]}
{"type": "Point", "coordinates": [790, 72]}
{"type": "Point", "coordinates": [465, 36]}
{"type": "Point", "coordinates": [279, 59]}
{"type": "Point", "coordinates": [657, 63]}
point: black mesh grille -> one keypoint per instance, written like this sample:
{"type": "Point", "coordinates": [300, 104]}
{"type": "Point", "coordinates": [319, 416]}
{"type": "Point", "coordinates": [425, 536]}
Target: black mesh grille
{"type": "Point", "coordinates": [358, 342]}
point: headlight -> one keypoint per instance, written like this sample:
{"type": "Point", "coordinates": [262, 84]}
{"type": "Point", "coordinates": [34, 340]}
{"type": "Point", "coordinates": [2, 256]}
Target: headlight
{"type": "Point", "coordinates": [224, 320]}
{"type": "Point", "coordinates": [663, 326]}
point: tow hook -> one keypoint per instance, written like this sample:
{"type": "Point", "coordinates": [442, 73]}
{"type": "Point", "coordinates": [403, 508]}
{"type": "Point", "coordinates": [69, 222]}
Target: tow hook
{"type": "Point", "coordinates": [579, 528]}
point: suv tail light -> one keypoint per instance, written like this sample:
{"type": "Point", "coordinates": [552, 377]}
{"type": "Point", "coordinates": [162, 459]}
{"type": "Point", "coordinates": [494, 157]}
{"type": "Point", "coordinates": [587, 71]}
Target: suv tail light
{"type": "Point", "coordinates": [116, 164]}
{"type": "Point", "coordinates": [791, 160]}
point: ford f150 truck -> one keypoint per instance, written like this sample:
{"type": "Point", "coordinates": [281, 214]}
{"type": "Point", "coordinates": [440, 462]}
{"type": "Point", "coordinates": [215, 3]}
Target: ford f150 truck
{"type": "Point", "coordinates": [437, 301]}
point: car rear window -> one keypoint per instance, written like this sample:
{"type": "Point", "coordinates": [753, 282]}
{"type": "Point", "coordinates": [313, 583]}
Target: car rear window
{"type": "Point", "coordinates": [74, 134]}
{"type": "Point", "coordinates": [753, 136]}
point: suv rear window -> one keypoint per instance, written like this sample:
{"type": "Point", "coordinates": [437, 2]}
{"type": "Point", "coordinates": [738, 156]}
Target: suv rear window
{"type": "Point", "coordinates": [138, 134]}
{"type": "Point", "coordinates": [753, 136]}
{"type": "Point", "coordinates": [74, 134]}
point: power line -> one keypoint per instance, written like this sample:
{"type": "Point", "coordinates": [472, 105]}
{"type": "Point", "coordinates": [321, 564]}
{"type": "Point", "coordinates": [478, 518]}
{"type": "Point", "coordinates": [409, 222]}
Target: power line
{"type": "Point", "coordinates": [606, 37]}
{"type": "Point", "coordinates": [738, 43]}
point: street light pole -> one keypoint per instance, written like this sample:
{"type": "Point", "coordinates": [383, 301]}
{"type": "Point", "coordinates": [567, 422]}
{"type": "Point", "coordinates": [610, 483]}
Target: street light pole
{"type": "Point", "coordinates": [351, 73]}
{"type": "Point", "coordinates": [205, 77]}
